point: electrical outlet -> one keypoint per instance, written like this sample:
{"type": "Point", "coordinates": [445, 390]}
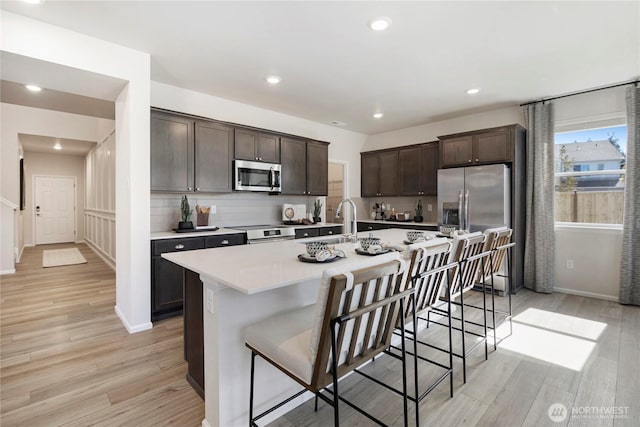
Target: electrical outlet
{"type": "Point", "coordinates": [213, 209]}
{"type": "Point", "coordinates": [429, 207]}
{"type": "Point", "coordinates": [570, 264]}
{"type": "Point", "coordinates": [210, 301]}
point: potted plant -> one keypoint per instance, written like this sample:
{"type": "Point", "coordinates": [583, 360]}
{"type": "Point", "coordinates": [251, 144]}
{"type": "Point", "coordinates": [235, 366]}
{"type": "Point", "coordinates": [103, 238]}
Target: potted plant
{"type": "Point", "coordinates": [418, 217]}
{"type": "Point", "coordinates": [317, 211]}
{"type": "Point", "coordinates": [185, 213]}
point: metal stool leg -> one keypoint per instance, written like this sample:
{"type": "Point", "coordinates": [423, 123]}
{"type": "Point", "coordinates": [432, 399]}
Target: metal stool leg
{"type": "Point", "coordinates": [253, 363]}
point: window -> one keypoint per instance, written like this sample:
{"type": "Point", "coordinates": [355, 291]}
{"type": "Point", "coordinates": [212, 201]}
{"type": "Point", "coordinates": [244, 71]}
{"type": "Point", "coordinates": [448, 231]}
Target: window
{"type": "Point", "coordinates": [589, 175]}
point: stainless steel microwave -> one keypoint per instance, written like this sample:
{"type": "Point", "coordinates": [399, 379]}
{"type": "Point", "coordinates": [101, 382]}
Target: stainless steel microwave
{"type": "Point", "coordinates": [256, 176]}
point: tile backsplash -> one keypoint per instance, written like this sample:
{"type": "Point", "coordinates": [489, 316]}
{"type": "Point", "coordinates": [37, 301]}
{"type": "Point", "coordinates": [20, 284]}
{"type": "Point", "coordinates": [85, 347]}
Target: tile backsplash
{"type": "Point", "coordinates": [232, 209]}
{"type": "Point", "coordinates": [401, 204]}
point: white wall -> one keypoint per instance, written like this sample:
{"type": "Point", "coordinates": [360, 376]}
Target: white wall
{"type": "Point", "coordinates": [34, 39]}
{"type": "Point", "coordinates": [431, 131]}
{"type": "Point", "coordinates": [100, 210]}
{"type": "Point", "coordinates": [345, 145]}
{"type": "Point", "coordinates": [52, 165]}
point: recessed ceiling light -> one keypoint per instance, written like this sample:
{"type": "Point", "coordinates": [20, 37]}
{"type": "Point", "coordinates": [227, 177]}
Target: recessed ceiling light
{"type": "Point", "coordinates": [33, 88]}
{"type": "Point", "coordinates": [57, 146]}
{"type": "Point", "coordinates": [380, 23]}
{"type": "Point", "coordinates": [378, 115]}
{"type": "Point", "coordinates": [473, 91]}
{"type": "Point", "coordinates": [274, 80]}
{"type": "Point", "coordinates": [32, 1]}
{"type": "Point", "coordinates": [337, 123]}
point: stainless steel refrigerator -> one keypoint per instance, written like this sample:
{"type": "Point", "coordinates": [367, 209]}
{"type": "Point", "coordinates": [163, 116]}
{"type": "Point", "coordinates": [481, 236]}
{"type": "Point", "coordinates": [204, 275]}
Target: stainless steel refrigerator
{"type": "Point", "coordinates": [475, 198]}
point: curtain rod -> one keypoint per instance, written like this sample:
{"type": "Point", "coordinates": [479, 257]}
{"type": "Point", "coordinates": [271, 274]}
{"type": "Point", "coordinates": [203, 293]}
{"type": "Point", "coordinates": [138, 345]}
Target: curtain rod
{"type": "Point", "coordinates": [636, 81]}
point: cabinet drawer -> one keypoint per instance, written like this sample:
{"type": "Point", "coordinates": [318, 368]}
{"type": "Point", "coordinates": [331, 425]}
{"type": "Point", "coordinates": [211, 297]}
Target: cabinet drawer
{"type": "Point", "coordinates": [328, 231]}
{"type": "Point", "coordinates": [176, 245]}
{"type": "Point", "coordinates": [307, 232]}
{"type": "Point", "coordinates": [367, 226]}
{"type": "Point", "coordinates": [226, 240]}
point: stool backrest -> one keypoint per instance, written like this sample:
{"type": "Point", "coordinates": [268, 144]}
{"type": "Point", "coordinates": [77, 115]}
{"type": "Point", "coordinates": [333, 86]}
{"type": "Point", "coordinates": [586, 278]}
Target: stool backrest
{"type": "Point", "coordinates": [426, 256]}
{"type": "Point", "coordinates": [496, 237]}
{"type": "Point", "coordinates": [468, 245]}
{"type": "Point", "coordinates": [369, 298]}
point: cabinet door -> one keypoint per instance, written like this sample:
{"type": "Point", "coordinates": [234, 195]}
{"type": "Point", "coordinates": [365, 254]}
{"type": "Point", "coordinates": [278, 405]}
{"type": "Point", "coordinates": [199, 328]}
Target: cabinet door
{"type": "Point", "coordinates": [293, 154]}
{"type": "Point", "coordinates": [317, 168]}
{"type": "Point", "coordinates": [268, 148]}
{"type": "Point", "coordinates": [166, 292]}
{"type": "Point", "coordinates": [409, 173]}
{"type": "Point", "coordinates": [171, 153]}
{"type": "Point", "coordinates": [456, 151]}
{"type": "Point", "coordinates": [369, 174]}
{"type": "Point", "coordinates": [388, 181]}
{"type": "Point", "coordinates": [213, 148]}
{"type": "Point", "coordinates": [492, 147]}
{"type": "Point", "coordinates": [245, 144]}
{"type": "Point", "coordinates": [429, 169]}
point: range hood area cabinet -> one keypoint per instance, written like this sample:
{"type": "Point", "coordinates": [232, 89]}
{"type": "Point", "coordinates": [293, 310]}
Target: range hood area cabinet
{"type": "Point", "coordinates": [256, 146]}
{"type": "Point", "coordinates": [405, 171]}
{"type": "Point", "coordinates": [305, 167]}
{"type": "Point", "coordinates": [190, 155]}
{"type": "Point", "coordinates": [488, 146]}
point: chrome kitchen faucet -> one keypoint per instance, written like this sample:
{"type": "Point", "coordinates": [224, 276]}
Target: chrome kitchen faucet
{"type": "Point", "coordinates": [354, 222]}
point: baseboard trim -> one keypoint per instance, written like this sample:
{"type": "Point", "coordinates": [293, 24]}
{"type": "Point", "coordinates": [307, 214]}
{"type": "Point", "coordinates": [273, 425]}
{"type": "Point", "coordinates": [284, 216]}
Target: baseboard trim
{"type": "Point", "coordinates": [132, 329]}
{"type": "Point", "coordinates": [586, 294]}
{"type": "Point", "coordinates": [20, 255]}
{"type": "Point", "coordinates": [12, 271]}
{"type": "Point", "coordinates": [205, 423]}
{"type": "Point", "coordinates": [111, 263]}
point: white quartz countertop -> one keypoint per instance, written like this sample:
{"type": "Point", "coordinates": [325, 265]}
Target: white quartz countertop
{"type": "Point", "coordinates": [201, 233]}
{"type": "Point", "coordinates": [252, 269]}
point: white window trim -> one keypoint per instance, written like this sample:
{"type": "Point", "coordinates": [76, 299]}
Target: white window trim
{"type": "Point", "coordinates": [596, 172]}
{"type": "Point", "coordinates": [587, 226]}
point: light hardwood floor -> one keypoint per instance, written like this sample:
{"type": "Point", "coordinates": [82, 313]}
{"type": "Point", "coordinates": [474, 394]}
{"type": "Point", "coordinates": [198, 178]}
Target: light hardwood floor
{"type": "Point", "coordinates": [67, 360]}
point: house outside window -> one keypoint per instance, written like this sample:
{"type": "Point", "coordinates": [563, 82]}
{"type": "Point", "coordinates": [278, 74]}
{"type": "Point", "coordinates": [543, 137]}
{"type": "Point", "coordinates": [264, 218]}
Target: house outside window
{"type": "Point", "coordinates": [589, 175]}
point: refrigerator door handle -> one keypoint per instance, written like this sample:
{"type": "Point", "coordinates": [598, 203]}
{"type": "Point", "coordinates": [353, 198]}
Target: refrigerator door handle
{"type": "Point", "coordinates": [467, 219]}
{"type": "Point", "coordinates": [460, 211]}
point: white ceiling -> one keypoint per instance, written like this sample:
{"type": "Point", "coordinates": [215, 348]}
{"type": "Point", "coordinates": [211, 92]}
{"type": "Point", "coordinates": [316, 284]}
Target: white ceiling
{"type": "Point", "coordinates": [335, 68]}
{"type": "Point", "coordinates": [44, 144]}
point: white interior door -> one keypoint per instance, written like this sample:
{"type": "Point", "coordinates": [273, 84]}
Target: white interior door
{"type": "Point", "coordinates": [54, 207]}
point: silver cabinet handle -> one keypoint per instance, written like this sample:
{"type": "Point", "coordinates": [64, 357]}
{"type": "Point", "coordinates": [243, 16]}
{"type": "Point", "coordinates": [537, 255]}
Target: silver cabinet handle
{"type": "Point", "coordinates": [469, 160]}
{"type": "Point", "coordinates": [369, 228]}
{"type": "Point", "coordinates": [224, 242]}
{"type": "Point", "coordinates": [330, 232]}
{"type": "Point", "coordinates": [189, 188]}
{"type": "Point", "coordinates": [306, 234]}
{"type": "Point", "coordinates": [197, 188]}
{"type": "Point", "coordinates": [476, 160]}
{"type": "Point", "coordinates": [179, 246]}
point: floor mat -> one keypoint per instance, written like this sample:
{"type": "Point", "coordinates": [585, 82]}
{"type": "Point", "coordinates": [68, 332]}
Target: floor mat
{"type": "Point", "coordinates": [58, 257]}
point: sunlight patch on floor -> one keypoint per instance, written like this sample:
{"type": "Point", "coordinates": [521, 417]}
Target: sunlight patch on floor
{"type": "Point", "coordinates": [562, 323]}
{"type": "Point", "coordinates": [563, 340]}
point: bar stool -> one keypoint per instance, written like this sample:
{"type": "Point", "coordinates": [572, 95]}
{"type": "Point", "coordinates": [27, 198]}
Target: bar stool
{"type": "Point", "coordinates": [470, 258]}
{"type": "Point", "coordinates": [352, 322]}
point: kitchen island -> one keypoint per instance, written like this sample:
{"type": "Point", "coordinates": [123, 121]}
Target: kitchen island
{"type": "Point", "coordinates": [243, 285]}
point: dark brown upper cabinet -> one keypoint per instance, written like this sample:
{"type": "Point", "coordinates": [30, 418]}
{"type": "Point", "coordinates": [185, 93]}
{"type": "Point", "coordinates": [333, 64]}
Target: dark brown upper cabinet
{"type": "Point", "coordinates": [213, 148]}
{"type": "Point", "coordinates": [189, 155]}
{"type": "Point", "coordinates": [304, 167]}
{"type": "Point", "coordinates": [418, 170]}
{"type": "Point", "coordinates": [171, 153]}
{"type": "Point", "coordinates": [475, 148]}
{"type": "Point", "coordinates": [256, 146]}
{"type": "Point", "coordinates": [379, 173]}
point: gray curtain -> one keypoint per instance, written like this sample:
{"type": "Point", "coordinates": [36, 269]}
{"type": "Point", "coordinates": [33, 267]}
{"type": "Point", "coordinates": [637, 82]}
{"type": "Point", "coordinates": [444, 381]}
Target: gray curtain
{"type": "Point", "coordinates": [539, 239]}
{"type": "Point", "coordinates": [630, 265]}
